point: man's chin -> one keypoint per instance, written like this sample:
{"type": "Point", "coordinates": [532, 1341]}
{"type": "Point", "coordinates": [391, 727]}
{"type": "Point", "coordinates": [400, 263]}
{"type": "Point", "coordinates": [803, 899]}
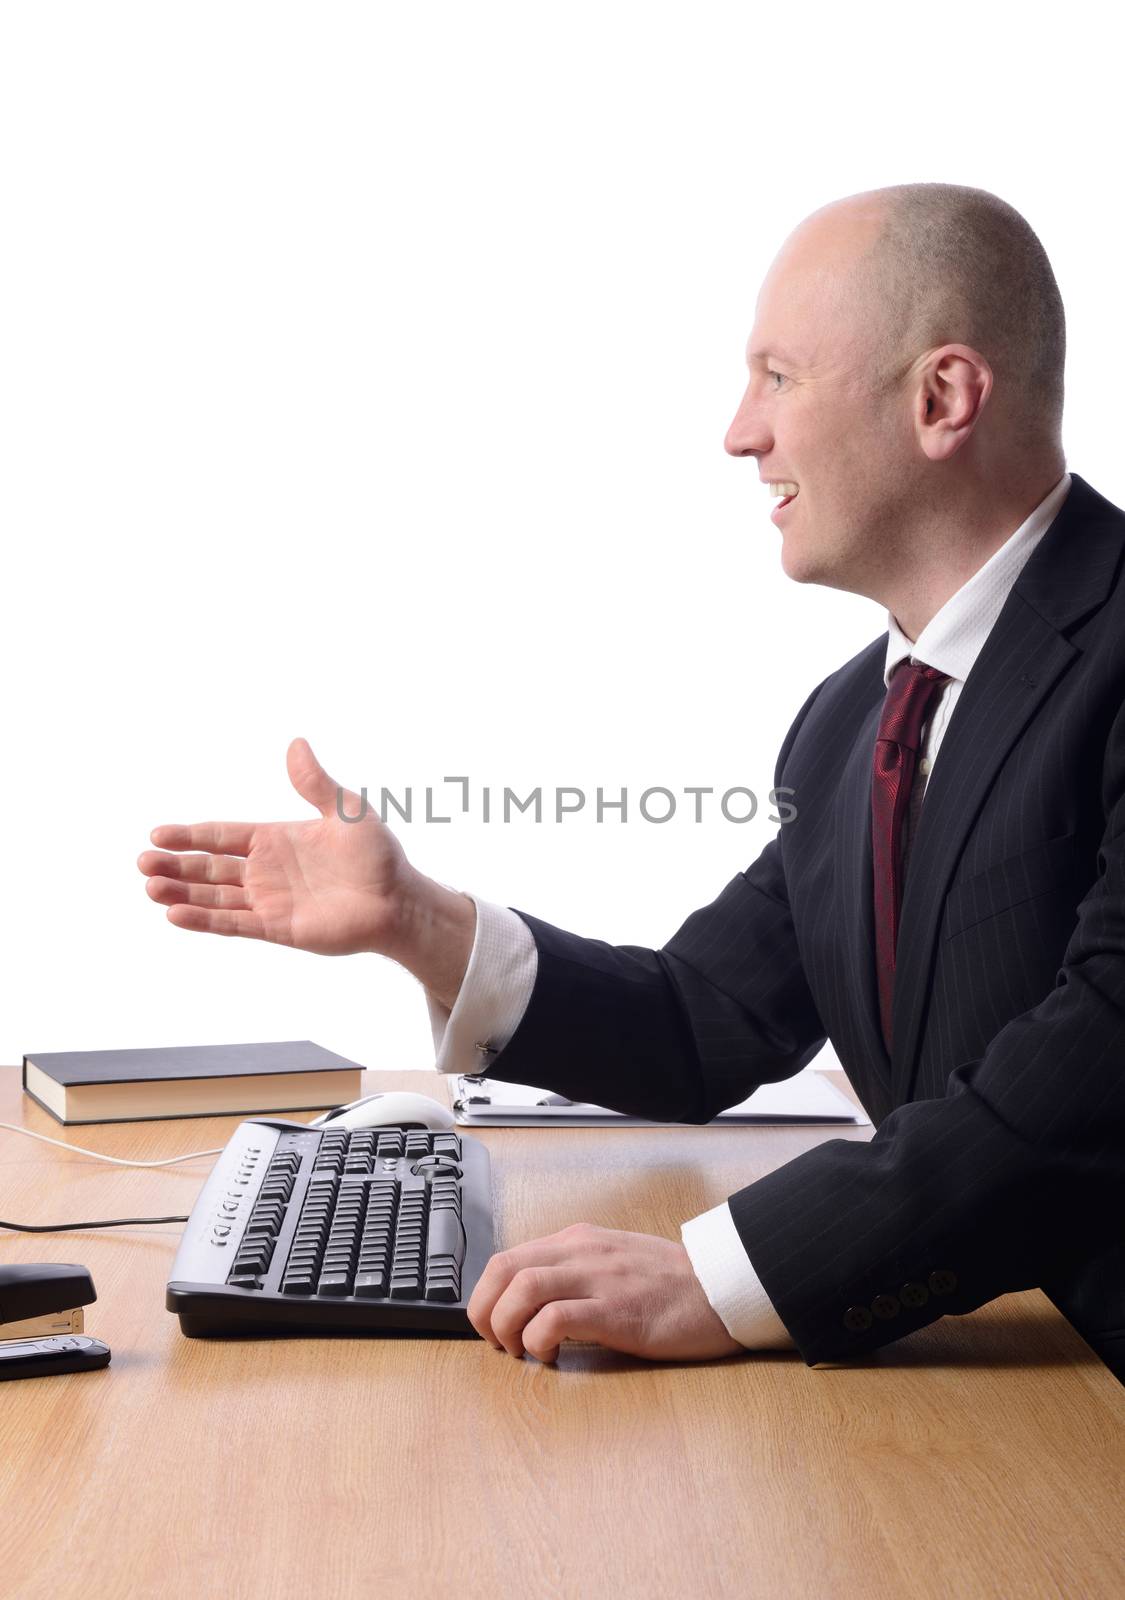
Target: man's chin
{"type": "Point", "coordinates": [799, 565]}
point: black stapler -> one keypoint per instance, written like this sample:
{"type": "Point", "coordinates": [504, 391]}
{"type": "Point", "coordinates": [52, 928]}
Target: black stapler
{"type": "Point", "coordinates": [41, 1325]}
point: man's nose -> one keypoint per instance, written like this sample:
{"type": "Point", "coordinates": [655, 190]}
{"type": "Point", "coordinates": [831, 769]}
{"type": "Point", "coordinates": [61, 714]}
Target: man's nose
{"type": "Point", "coordinates": [746, 435]}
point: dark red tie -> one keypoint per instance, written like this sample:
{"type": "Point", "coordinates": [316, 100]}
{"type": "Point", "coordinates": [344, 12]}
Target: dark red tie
{"type": "Point", "coordinates": [910, 699]}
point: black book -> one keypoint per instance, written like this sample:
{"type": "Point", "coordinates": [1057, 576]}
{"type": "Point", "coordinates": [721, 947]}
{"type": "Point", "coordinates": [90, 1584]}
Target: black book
{"type": "Point", "coordinates": [202, 1080]}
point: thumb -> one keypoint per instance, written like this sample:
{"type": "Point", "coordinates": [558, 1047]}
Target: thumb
{"type": "Point", "coordinates": [311, 781]}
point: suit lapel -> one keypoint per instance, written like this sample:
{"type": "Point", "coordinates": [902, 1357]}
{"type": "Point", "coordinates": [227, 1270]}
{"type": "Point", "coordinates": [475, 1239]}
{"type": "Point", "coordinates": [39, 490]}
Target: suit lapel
{"type": "Point", "coordinates": [1014, 673]}
{"type": "Point", "coordinates": [1024, 656]}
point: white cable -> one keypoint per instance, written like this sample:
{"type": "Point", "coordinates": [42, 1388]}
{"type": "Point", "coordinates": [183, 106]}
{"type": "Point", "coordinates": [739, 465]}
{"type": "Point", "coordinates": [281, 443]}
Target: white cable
{"type": "Point", "coordinates": [173, 1161]}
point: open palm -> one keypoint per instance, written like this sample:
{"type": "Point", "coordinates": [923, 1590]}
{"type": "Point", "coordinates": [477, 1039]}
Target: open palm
{"type": "Point", "coordinates": [324, 885]}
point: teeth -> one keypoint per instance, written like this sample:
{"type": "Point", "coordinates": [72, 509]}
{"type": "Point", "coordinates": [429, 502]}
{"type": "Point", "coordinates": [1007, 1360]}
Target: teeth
{"type": "Point", "coordinates": [777, 489]}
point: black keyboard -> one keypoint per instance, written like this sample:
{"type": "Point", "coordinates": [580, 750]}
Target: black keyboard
{"type": "Point", "coordinates": [318, 1230]}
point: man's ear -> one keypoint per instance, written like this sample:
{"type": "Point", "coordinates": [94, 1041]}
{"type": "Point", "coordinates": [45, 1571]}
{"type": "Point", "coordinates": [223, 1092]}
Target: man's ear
{"type": "Point", "coordinates": [956, 382]}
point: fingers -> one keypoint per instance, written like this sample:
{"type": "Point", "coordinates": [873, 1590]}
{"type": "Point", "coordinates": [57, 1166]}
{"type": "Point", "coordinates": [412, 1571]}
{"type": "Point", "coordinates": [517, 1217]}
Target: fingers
{"type": "Point", "coordinates": [565, 1319]}
{"type": "Point", "coordinates": [232, 924]}
{"type": "Point", "coordinates": [173, 892]}
{"type": "Point", "coordinates": [192, 869]}
{"type": "Point", "coordinates": [524, 1298]}
{"type": "Point", "coordinates": [499, 1272]}
{"type": "Point", "coordinates": [232, 837]}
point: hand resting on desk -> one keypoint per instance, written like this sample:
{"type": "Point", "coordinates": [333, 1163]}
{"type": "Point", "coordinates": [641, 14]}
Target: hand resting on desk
{"type": "Point", "coordinates": [628, 1291]}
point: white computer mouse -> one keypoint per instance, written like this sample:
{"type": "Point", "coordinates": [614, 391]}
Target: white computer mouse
{"type": "Point", "coordinates": [398, 1109]}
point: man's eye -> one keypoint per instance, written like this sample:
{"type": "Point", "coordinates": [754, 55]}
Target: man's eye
{"type": "Point", "coordinates": [771, 373]}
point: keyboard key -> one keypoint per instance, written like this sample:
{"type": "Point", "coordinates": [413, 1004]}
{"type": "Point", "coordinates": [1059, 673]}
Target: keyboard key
{"type": "Point", "coordinates": [370, 1285]}
{"type": "Point", "coordinates": [334, 1283]}
{"type": "Point", "coordinates": [446, 1237]}
{"type": "Point", "coordinates": [445, 1291]}
{"type": "Point", "coordinates": [255, 1264]}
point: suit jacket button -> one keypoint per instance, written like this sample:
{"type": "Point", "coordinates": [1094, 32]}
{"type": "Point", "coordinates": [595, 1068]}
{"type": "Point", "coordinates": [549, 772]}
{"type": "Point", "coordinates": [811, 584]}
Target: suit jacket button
{"type": "Point", "coordinates": [943, 1281]}
{"type": "Point", "coordinates": [886, 1306]}
{"type": "Point", "coordinates": [914, 1295]}
{"type": "Point", "coordinates": [857, 1319]}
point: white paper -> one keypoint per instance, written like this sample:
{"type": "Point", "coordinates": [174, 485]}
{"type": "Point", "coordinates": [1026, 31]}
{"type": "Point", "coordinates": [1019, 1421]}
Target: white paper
{"type": "Point", "coordinates": [807, 1097]}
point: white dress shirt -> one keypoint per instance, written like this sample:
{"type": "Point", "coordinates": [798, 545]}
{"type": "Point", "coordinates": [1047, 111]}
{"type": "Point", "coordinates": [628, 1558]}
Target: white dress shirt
{"type": "Point", "coordinates": [500, 976]}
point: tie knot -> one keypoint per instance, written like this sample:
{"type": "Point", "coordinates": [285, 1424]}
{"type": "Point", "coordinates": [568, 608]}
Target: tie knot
{"type": "Point", "coordinates": [913, 689]}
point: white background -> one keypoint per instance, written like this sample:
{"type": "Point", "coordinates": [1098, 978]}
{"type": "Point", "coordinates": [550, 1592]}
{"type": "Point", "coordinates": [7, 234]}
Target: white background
{"type": "Point", "coordinates": [364, 372]}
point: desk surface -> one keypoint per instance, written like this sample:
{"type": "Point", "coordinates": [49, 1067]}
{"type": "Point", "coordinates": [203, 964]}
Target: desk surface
{"type": "Point", "coordinates": [981, 1457]}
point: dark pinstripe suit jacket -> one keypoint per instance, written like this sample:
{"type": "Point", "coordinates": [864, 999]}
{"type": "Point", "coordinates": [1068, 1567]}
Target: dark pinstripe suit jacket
{"type": "Point", "coordinates": [998, 1158]}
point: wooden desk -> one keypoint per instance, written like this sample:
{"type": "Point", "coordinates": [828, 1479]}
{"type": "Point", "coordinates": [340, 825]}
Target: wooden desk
{"type": "Point", "coordinates": [981, 1457]}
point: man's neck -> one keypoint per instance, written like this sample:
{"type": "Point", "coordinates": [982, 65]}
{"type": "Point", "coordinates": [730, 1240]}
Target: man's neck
{"type": "Point", "coordinates": [949, 558]}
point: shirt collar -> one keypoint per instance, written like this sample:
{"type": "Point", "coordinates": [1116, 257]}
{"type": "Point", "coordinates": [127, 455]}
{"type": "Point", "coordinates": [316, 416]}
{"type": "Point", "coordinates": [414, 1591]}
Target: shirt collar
{"type": "Point", "coordinates": [953, 637]}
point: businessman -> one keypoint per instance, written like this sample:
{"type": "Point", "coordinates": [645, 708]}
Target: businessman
{"type": "Point", "coordinates": [948, 906]}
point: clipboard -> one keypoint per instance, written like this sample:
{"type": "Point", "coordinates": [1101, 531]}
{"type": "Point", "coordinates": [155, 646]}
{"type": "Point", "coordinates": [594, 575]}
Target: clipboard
{"type": "Point", "coordinates": [481, 1102]}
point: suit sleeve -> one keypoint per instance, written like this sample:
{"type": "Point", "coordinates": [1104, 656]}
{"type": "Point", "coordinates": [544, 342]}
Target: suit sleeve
{"type": "Point", "coordinates": [680, 1033]}
{"type": "Point", "coordinates": [994, 1187]}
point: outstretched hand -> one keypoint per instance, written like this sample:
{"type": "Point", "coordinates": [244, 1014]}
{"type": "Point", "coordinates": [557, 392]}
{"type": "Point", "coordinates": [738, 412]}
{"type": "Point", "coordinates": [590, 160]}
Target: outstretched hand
{"type": "Point", "coordinates": [325, 885]}
{"type": "Point", "coordinates": [628, 1291]}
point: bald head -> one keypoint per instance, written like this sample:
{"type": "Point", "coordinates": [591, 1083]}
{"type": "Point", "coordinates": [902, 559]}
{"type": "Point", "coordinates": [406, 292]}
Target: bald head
{"type": "Point", "coordinates": [938, 263]}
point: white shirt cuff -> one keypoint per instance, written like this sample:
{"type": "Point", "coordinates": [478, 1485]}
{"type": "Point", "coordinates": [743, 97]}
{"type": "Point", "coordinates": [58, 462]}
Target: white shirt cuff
{"type": "Point", "coordinates": [494, 992]}
{"type": "Point", "coordinates": [720, 1262]}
